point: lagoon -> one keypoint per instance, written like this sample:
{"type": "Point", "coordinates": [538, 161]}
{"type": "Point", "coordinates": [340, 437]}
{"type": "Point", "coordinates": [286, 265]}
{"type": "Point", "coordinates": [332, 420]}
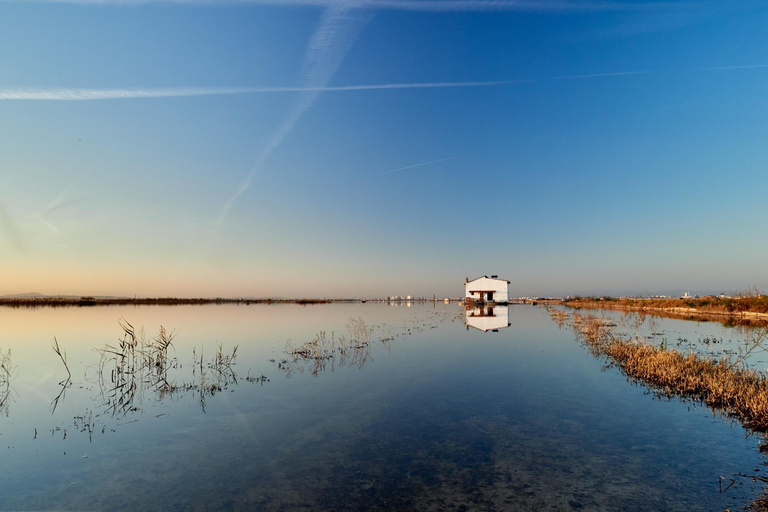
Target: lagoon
{"type": "Point", "coordinates": [428, 414]}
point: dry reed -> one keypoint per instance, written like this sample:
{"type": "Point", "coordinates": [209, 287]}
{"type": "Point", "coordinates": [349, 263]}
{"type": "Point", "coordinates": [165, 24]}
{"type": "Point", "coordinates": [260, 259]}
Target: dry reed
{"type": "Point", "coordinates": [7, 374]}
{"type": "Point", "coordinates": [316, 355]}
{"type": "Point", "coordinates": [725, 385]}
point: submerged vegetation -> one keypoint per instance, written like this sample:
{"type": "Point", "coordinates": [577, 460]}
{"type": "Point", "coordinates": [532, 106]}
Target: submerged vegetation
{"type": "Point", "coordinates": [141, 368]}
{"type": "Point", "coordinates": [314, 356]}
{"type": "Point", "coordinates": [7, 374]}
{"type": "Point", "coordinates": [136, 363]}
{"type": "Point", "coordinates": [139, 364]}
{"type": "Point", "coordinates": [724, 384]}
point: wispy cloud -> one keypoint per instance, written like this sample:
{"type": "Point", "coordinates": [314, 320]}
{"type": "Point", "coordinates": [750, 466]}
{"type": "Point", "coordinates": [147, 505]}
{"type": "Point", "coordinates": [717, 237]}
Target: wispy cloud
{"type": "Point", "coordinates": [69, 94]}
{"type": "Point", "coordinates": [429, 163]}
{"type": "Point", "coordinates": [9, 226]}
{"type": "Point", "coordinates": [333, 38]}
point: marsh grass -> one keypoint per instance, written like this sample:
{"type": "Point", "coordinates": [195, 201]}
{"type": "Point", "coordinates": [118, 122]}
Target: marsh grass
{"type": "Point", "coordinates": [63, 356]}
{"type": "Point", "coordinates": [139, 365]}
{"type": "Point", "coordinates": [749, 308]}
{"type": "Point", "coordinates": [134, 364]}
{"type": "Point", "coordinates": [724, 384]}
{"type": "Point", "coordinates": [8, 372]}
{"type": "Point", "coordinates": [64, 384]}
{"type": "Point", "coordinates": [327, 352]}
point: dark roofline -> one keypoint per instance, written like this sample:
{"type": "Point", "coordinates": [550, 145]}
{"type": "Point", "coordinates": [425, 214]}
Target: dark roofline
{"type": "Point", "coordinates": [494, 278]}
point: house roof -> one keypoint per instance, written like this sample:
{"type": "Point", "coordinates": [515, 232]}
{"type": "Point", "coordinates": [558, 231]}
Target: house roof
{"type": "Point", "coordinates": [492, 278]}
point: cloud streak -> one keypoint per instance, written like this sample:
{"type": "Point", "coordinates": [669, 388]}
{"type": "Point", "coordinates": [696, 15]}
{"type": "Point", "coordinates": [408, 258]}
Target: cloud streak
{"type": "Point", "coordinates": [84, 94]}
{"type": "Point", "coordinates": [9, 226]}
{"type": "Point", "coordinates": [429, 163]}
{"type": "Point", "coordinates": [662, 71]}
{"type": "Point", "coordinates": [330, 43]}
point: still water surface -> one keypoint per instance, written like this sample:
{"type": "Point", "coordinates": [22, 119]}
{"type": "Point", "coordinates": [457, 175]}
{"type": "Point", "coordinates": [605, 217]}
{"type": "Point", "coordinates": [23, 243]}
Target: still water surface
{"type": "Point", "coordinates": [431, 415]}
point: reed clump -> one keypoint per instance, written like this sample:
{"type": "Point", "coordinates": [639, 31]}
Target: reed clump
{"type": "Point", "coordinates": [140, 364]}
{"type": "Point", "coordinates": [324, 350]}
{"type": "Point", "coordinates": [135, 363]}
{"type": "Point", "coordinates": [722, 384]}
{"type": "Point", "coordinates": [8, 372]}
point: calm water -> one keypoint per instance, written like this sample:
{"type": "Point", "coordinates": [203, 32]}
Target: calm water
{"type": "Point", "coordinates": [437, 416]}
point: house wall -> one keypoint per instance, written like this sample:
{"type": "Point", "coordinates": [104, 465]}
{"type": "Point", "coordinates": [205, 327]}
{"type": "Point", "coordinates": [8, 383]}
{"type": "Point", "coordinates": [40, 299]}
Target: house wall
{"type": "Point", "coordinates": [499, 286]}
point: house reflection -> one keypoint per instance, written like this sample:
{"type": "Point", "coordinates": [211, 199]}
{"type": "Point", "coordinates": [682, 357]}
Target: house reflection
{"type": "Point", "coordinates": [487, 318]}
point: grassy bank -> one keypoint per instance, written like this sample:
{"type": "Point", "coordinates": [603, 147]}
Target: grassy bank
{"type": "Point", "coordinates": [724, 385]}
{"type": "Point", "coordinates": [739, 310]}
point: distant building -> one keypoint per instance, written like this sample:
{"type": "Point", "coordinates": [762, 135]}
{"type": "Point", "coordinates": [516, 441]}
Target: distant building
{"type": "Point", "coordinates": [487, 289]}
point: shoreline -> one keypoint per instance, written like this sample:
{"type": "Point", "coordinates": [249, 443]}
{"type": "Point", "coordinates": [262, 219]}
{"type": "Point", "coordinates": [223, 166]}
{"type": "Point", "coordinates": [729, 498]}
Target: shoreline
{"type": "Point", "coordinates": [675, 312]}
{"type": "Point", "coordinates": [42, 302]}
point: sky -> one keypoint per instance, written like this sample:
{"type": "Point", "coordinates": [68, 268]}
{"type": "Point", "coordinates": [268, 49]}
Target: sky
{"type": "Point", "coordinates": [367, 148]}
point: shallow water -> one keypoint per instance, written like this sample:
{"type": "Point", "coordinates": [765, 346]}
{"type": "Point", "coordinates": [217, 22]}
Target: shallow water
{"type": "Point", "coordinates": [438, 416]}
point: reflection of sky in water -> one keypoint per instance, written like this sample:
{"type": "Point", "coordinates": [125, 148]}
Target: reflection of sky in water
{"type": "Point", "coordinates": [439, 417]}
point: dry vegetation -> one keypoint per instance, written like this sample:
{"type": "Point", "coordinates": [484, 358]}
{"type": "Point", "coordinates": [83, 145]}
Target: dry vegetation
{"type": "Point", "coordinates": [139, 364]}
{"type": "Point", "coordinates": [7, 374]}
{"type": "Point", "coordinates": [750, 305]}
{"type": "Point", "coordinates": [726, 385]}
{"type": "Point", "coordinates": [315, 356]}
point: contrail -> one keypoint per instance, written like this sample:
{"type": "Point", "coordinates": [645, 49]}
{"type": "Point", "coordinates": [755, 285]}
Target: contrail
{"type": "Point", "coordinates": [59, 201]}
{"type": "Point", "coordinates": [661, 71]}
{"type": "Point", "coordinates": [327, 48]}
{"type": "Point", "coordinates": [117, 94]}
{"type": "Point", "coordinates": [6, 221]}
{"type": "Point", "coordinates": [429, 163]}
{"type": "Point", "coordinates": [72, 94]}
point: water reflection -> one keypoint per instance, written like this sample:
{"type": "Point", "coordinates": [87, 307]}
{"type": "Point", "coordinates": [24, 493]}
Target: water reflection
{"type": "Point", "coordinates": [487, 318]}
{"type": "Point", "coordinates": [522, 420]}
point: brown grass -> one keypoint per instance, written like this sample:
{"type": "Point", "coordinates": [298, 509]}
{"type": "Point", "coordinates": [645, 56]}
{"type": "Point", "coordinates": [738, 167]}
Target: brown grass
{"type": "Point", "coordinates": [725, 385]}
{"type": "Point", "coordinates": [745, 308]}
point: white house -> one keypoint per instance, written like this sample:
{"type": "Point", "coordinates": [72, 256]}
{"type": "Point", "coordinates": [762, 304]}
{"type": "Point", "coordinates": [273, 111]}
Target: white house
{"type": "Point", "coordinates": [486, 289]}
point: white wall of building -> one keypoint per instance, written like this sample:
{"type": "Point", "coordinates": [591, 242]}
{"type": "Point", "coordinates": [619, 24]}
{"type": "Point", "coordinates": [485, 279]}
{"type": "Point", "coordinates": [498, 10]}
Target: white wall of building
{"type": "Point", "coordinates": [499, 287]}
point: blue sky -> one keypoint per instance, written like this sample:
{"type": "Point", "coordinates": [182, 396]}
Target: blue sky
{"type": "Point", "coordinates": [368, 148]}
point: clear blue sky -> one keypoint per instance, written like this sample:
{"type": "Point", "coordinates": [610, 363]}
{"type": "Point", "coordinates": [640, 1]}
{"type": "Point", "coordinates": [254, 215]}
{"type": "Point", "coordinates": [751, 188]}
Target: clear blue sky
{"type": "Point", "coordinates": [234, 148]}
